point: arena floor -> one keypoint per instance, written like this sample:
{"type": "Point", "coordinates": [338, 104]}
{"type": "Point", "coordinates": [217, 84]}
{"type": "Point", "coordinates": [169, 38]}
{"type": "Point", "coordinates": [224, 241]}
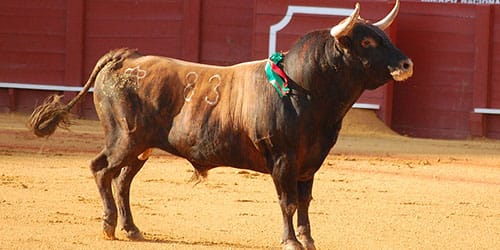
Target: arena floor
{"type": "Point", "coordinates": [376, 190]}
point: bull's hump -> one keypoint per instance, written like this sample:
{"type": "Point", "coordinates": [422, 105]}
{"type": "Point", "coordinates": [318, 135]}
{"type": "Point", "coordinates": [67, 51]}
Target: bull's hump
{"type": "Point", "coordinates": [251, 63]}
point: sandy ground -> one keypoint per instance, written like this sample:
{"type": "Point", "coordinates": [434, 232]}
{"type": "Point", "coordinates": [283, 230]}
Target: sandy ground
{"type": "Point", "coordinates": [376, 190]}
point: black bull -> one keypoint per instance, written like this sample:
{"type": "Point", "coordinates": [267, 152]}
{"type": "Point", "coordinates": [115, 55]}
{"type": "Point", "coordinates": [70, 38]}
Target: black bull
{"type": "Point", "coordinates": [231, 116]}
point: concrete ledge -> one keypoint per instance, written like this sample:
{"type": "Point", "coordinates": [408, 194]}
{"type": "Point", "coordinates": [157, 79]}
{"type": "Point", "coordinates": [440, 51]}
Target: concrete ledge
{"type": "Point", "coordinates": [366, 106]}
{"type": "Point", "coordinates": [34, 86]}
{"type": "Point", "coordinates": [487, 111]}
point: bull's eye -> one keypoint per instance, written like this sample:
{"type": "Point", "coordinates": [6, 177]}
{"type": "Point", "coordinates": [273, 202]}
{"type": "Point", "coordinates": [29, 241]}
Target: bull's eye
{"type": "Point", "coordinates": [369, 42]}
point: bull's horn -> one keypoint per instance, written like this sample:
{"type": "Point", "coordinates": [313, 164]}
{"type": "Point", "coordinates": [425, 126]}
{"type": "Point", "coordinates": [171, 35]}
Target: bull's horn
{"type": "Point", "coordinates": [345, 25]}
{"type": "Point", "coordinates": [386, 22]}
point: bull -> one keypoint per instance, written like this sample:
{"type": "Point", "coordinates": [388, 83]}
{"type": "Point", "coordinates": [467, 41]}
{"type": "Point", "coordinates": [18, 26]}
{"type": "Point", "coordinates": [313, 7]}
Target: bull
{"type": "Point", "coordinates": [231, 116]}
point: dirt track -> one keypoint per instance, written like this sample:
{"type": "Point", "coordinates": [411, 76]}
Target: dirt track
{"type": "Point", "coordinates": [376, 190]}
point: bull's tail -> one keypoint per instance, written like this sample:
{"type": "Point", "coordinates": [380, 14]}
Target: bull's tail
{"type": "Point", "coordinates": [53, 113]}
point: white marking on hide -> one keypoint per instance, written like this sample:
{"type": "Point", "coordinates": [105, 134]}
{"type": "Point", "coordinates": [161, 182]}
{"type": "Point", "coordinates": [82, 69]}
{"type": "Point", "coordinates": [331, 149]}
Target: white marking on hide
{"type": "Point", "coordinates": [136, 73]}
{"type": "Point", "coordinates": [191, 80]}
{"type": "Point", "coordinates": [190, 85]}
{"type": "Point", "coordinates": [219, 79]}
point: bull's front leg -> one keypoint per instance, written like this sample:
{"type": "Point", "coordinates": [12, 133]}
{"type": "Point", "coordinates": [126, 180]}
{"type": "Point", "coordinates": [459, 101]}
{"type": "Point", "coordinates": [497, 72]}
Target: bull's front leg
{"type": "Point", "coordinates": [303, 225]}
{"type": "Point", "coordinates": [285, 179]}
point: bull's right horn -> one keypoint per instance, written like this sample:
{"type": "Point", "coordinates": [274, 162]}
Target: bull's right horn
{"type": "Point", "coordinates": [345, 25]}
{"type": "Point", "coordinates": [386, 22]}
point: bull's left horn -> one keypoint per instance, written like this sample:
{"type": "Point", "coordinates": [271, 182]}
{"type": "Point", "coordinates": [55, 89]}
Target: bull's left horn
{"type": "Point", "coordinates": [386, 22]}
{"type": "Point", "coordinates": [345, 25]}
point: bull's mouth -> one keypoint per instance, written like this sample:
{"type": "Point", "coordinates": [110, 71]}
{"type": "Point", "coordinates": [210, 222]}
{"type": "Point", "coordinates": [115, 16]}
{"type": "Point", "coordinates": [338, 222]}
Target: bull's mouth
{"type": "Point", "coordinates": [401, 75]}
{"type": "Point", "coordinates": [402, 72]}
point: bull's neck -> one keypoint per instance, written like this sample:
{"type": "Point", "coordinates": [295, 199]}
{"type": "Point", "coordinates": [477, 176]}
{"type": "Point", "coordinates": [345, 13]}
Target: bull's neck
{"type": "Point", "coordinates": [316, 65]}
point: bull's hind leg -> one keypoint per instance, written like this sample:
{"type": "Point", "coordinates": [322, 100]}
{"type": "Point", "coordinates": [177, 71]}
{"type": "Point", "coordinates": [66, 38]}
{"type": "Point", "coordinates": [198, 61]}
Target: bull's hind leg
{"type": "Point", "coordinates": [122, 194]}
{"type": "Point", "coordinates": [103, 175]}
{"type": "Point", "coordinates": [106, 166]}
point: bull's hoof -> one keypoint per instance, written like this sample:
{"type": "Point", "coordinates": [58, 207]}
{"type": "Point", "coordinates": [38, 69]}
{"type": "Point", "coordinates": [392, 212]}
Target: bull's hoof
{"type": "Point", "coordinates": [135, 235]}
{"type": "Point", "coordinates": [307, 243]}
{"type": "Point", "coordinates": [108, 231]}
{"type": "Point", "coordinates": [292, 245]}
{"type": "Point", "coordinates": [108, 235]}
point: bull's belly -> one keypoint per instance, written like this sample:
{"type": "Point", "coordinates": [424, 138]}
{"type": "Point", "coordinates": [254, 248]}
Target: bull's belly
{"type": "Point", "coordinates": [210, 149]}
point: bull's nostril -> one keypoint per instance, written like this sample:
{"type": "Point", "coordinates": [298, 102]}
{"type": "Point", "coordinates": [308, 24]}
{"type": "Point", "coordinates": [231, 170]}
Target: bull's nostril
{"type": "Point", "coordinates": [406, 65]}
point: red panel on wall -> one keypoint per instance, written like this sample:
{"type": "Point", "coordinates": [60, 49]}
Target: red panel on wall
{"type": "Point", "coordinates": [495, 60]}
{"type": "Point", "coordinates": [32, 41]}
{"type": "Point", "coordinates": [437, 100]}
{"type": "Point", "coordinates": [226, 31]}
{"type": "Point", "coordinates": [4, 100]}
{"type": "Point", "coordinates": [492, 124]}
{"type": "Point", "coordinates": [154, 27]}
{"type": "Point", "coordinates": [32, 38]}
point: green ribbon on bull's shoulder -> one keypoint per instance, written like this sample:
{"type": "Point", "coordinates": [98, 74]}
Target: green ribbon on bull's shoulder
{"type": "Point", "coordinates": [275, 74]}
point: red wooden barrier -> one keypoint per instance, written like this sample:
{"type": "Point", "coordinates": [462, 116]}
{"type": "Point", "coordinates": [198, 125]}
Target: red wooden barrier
{"type": "Point", "coordinates": [455, 48]}
{"type": "Point", "coordinates": [32, 42]}
{"type": "Point", "coordinates": [436, 101]}
{"type": "Point", "coordinates": [493, 88]}
{"type": "Point", "coordinates": [451, 47]}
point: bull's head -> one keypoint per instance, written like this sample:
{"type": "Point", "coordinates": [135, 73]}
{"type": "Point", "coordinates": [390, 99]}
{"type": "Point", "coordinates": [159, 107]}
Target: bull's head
{"type": "Point", "coordinates": [367, 43]}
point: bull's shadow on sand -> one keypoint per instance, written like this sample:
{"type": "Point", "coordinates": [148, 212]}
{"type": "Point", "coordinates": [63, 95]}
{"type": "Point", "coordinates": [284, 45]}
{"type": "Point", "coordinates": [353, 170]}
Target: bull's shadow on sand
{"type": "Point", "coordinates": [168, 240]}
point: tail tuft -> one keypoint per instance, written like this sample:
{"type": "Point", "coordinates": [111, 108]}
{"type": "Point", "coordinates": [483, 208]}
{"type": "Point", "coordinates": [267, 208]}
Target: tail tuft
{"type": "Point", "coordinates": [47, 117]}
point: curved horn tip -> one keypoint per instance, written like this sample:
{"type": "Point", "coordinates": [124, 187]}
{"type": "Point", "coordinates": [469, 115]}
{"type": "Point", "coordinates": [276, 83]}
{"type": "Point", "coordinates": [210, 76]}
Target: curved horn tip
{"type": "Point", "coordinates": [346, 24]}
{"type": "Point", "coordinates": [387, 21]}
{"type": "Point", "coordinates": [356, 10]}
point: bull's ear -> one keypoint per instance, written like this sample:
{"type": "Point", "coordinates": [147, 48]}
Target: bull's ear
{"type": "Point", "coordinates": [346, 25]}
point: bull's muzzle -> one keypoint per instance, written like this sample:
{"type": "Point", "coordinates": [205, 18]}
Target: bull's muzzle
{"type": "Point", "coordinates": [403, 71]}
